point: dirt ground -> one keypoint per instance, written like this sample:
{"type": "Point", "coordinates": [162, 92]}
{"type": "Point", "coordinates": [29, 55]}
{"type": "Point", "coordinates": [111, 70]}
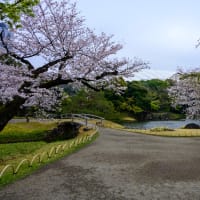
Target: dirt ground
{"type": "Point", "coordinates": [118, 166]}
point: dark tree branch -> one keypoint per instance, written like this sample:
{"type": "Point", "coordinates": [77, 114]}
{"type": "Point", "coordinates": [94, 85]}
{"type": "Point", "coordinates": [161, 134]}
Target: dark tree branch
{"type": "Point", "coordinates": [21, 59]}
{"type": "Point", "coordinates": [55, 82]}
{"type": "Point", "coordinates": [113, 73]}
{"type": "Point", "coordinates": [90, 86]}
{"type": "Point", "coordinates": [45, 67]}
{"type": "Point", "coordinates": [60, 81]}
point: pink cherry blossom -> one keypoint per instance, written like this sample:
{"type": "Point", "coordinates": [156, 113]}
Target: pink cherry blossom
{"type": "Point", "coordinates": [186, 92]}
{"type": "Point", "coordinates": [72, 52]}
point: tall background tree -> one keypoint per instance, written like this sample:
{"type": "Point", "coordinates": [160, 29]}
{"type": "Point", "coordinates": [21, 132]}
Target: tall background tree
{"type": "Point", "coordinates": [141, 100]}
{"type": "Point", "coordinates": [71, 53]}
{"type": "Point", "coordinates": [92, 102]}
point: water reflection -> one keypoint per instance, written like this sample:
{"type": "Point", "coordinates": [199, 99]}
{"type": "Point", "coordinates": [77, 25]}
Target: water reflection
{"type": "Point", "coordinates": [152, 124]}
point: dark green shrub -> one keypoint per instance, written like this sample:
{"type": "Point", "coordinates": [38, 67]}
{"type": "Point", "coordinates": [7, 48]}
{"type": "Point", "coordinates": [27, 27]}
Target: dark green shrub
{"type": "Point", "coordinates": [192, 126]}
{"type": "Point", "coordinates": [64, 131]}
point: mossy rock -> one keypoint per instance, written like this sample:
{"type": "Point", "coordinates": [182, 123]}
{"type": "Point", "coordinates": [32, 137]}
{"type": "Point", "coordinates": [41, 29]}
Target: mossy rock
{"type": "Point", "coordinates": [191, 126]}
{"type": "Point", "coordinates": [64, 131]}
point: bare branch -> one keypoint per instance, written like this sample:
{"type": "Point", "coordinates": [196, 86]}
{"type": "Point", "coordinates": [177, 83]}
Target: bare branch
{"type": "Point", "coordinates": [45, 67]}
{"type": "Point", "coordinates": [113, 73]}
{"type": "Point", "coordinates": [56, 82]}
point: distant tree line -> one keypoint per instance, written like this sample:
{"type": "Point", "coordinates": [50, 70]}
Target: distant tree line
{"type": "Point", "coordinates": [143, 100]}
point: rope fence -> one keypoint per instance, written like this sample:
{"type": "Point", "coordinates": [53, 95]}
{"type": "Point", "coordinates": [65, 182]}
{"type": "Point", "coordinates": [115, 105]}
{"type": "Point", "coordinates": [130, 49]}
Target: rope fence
{"type": "Point", "coordinates": [39, 158]}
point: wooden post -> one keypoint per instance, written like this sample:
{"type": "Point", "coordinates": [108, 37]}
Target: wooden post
{"type": "Point", "coordinates": [86, 121]}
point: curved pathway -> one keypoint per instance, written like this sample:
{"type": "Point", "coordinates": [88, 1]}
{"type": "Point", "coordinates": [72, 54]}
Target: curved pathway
{"type": "Point", "coordinates": [118, 166]}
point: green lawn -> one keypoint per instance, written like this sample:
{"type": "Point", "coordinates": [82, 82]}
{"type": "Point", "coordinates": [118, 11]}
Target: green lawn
{"type": "Point", "coordinates": [14, 146]}
{"type": "Point", "coordinates": [17, 140]}
{"type": "Point", "coordinates": [168, 133]}
{"type": "Point", "coordinates": [23, 132]}
{"type": "Point", "coordinates": [12, 151]}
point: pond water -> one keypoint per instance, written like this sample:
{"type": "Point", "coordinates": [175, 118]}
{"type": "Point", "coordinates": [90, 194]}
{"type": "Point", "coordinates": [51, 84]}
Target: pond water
{"type": "Point", "coordinates": [152, 124]}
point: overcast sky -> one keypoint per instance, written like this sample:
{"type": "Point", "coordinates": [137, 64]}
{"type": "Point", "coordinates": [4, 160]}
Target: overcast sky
{"type": "Point", "coordinates": [162, 32]}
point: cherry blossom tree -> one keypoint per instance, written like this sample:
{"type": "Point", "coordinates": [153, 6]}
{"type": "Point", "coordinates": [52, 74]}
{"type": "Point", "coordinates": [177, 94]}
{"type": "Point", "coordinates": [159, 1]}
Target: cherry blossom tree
{"type": "Point", "coordinates": [72, 53]}
{"type": "Point", "coordinates": [186, 92]}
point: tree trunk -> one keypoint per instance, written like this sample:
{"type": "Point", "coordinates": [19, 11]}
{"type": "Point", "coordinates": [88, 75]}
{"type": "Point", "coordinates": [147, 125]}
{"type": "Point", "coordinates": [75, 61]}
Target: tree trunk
{"type": "Point", "coordinates": [10, 110]}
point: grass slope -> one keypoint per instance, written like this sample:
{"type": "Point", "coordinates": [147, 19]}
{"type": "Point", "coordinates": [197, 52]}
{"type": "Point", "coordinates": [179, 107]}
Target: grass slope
{"type": "Point", "coordinates": [168, 133]}
{"type": "Point", "coordinates": [13, 152]}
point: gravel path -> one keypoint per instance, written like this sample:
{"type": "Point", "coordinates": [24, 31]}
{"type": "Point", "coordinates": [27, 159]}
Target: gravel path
{"type": "Point", "coordinates": [118, 166]}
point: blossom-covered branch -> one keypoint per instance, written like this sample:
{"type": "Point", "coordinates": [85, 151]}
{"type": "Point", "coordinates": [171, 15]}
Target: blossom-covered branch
{"type": "Point", "coordinates": [186, 92]}
{"type": "Point", "coordinates": [70, 50]}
